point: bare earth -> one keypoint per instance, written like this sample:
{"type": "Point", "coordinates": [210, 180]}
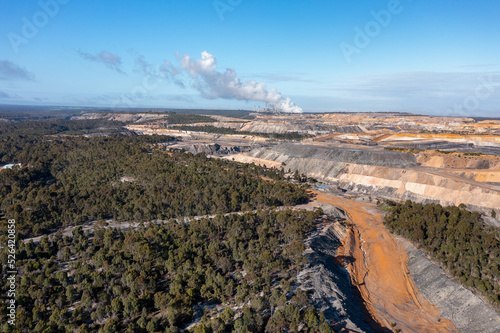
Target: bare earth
{"type": "Point", "coordinates": [379, 268]}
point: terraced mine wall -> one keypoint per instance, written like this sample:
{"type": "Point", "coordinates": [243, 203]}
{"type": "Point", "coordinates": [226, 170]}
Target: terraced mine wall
{"type": "Point", "coordinates": [385, 174]}
{"type": "Point", "coordinates": [298, 126]}
{"type": "Point", "coordinates": [378, 158]}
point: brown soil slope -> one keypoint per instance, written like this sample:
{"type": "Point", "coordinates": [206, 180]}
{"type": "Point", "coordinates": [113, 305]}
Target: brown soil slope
{"type": "Point", "coordinates": [379, 270]}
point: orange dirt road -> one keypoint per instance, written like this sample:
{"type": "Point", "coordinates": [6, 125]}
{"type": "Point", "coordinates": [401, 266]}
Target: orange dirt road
{"type": "Point", "coordinates": [379, 270]}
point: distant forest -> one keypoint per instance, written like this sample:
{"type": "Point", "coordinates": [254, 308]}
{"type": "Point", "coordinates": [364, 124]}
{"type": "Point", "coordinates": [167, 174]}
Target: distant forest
{"type": "Point", "coordinates": [455, 237]}
{"type": "Point", "coordinates": [35, 128]}
{"type": "Point", "coordinates": [31, 112]}
{"type": "Point", "coordinates": [170, 117]}
{"type": "Point", "coordinates": [179, 118]}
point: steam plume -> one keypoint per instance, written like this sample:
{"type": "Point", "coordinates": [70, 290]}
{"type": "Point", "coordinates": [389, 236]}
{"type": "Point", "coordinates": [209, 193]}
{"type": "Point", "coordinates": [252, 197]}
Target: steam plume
{"type": "Point", "coordinates": [214, 84]}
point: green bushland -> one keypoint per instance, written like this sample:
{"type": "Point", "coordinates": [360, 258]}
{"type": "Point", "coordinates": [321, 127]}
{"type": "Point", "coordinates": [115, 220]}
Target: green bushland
{"type": "Point", "coordinates": [455, 237]}
{"type": "Point", "coordinates": [68, 181]}
{"type": "Point", "coordinates": [32, 129]}
{"type": "Point", "coordinates": [151, 279]}
{"type": "Point", "coordinates": [180, 118]}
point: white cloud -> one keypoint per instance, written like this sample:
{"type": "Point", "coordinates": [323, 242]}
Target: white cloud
{"type": "Point", "coordinates": [214, 84]}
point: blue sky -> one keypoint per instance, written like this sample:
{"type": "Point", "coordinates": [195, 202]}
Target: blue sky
{"type": "Point", "coordinates": [434, 57]}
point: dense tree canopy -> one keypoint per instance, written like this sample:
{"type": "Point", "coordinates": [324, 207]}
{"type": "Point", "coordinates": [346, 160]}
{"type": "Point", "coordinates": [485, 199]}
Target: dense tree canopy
{"type": "Point", "coordinates": [159, 278]}
{"type": "Point", "coordinates": [456, 237]}
{"type": "Point", "coordinates": [35, 129]}
{"type": "Point", "coordinates": [70, 180]}
{"type": "Point", "coordinates": [235, 272]}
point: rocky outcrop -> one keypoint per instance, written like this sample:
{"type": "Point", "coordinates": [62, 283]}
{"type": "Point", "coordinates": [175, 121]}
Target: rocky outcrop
{"type": "Point", "coordinates": [467, 311]}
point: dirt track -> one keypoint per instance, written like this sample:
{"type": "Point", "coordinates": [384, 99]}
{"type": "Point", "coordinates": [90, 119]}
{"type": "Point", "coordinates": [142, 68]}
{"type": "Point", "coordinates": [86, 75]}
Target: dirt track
{"type": "Point", "coordinates": [378, 268]}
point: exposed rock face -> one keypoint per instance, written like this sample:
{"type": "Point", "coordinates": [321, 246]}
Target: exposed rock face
{"type": "Point", "coordinates": [329, 283]}
{"type": "Point", "coordinates": [383, 173]}
{"type": "Point", "coordinates": [213, 149]}
{"type": "Point", "coordinates": [467, 311]}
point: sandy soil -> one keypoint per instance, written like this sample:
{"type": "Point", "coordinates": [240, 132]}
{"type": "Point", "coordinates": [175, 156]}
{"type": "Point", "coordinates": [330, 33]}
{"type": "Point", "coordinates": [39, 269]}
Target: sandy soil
{"type": "Point", "coordinates": [378, 268]}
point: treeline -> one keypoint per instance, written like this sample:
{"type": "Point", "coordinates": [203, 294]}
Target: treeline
{"type": "Point", "coordinates": [180, 118]}
{"type": "Point", "coordinates": [57, 126]}
{"type": "Point", "coordinates": [237, 272]}
{"type": "Point", "coordinates": [173, 117]}
{"type": "Point", "coordinates": [32, 112]}
{"type": "Point", "coordinates": [456, 237]}
{"type": "Point", "coordinates": [69, 180]}
{"type": "Point", "coordinates": [214, 112]}
{"type": "Point", "coordinates": [227, 130]}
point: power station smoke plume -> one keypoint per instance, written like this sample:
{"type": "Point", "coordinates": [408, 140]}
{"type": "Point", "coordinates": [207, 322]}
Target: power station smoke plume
{"type": "Point", "coordinates": [213, 84]}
